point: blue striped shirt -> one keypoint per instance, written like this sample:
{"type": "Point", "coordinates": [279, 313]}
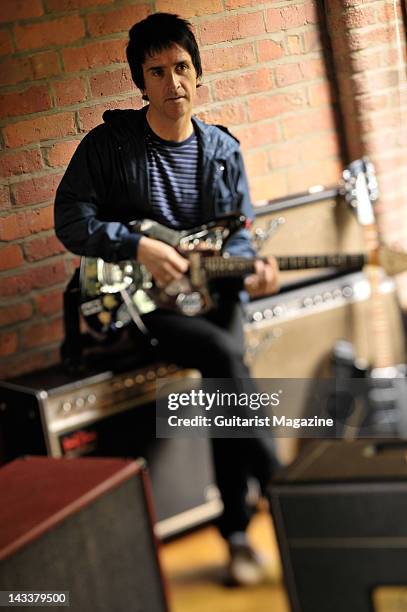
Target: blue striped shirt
{"type": "Point", "coordinates": [175, 178]}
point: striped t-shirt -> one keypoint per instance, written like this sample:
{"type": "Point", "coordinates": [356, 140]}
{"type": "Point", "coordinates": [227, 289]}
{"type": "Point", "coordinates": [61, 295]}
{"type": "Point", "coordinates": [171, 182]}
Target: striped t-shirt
{"type": "Point", "coordinates": [175, 177]}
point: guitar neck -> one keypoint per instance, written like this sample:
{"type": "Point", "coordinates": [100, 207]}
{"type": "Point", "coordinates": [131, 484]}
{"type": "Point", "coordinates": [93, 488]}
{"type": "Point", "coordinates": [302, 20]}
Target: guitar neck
{"type": "Point", "coordinates": [383, 344]}
{"type": "Point", "coordinates": [228, 267]}
{"type": "Point", "coordinates": [361, 191]}
{"type": "Point", "coordinates": [221, 267]}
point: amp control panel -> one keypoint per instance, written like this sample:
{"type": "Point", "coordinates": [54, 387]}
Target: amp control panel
{"type": "Point", "coordinates": [38, 410]}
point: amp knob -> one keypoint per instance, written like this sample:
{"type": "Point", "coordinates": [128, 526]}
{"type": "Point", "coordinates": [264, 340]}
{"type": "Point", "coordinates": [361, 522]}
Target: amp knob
{"type": "Point", "coordinates": [66, 407]}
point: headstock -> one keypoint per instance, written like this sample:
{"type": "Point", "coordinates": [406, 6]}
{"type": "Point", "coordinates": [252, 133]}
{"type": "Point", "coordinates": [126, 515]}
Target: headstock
{"type": "Point", "coordinates": [360, 189]}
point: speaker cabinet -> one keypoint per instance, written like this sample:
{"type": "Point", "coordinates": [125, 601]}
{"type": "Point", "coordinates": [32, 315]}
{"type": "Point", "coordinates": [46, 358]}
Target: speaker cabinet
{"type": "Point", "coordinates": [310, 224]}
{"type": "Point", "coordinates": [340, 517]}
{"type": "Point", "coordinates": [80, 526]}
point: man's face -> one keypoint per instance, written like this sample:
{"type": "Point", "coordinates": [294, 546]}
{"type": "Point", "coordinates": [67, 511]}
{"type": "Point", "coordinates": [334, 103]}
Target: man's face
{"type": "Point", "coordinates": [170, 83]}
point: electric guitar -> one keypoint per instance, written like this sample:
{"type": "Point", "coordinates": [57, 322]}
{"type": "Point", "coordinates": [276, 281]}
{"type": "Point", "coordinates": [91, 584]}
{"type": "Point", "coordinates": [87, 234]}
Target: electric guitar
{"type": "Point", "coordinates": [113, 294]}
{"type": "Point", "coordinates": [380, 405]}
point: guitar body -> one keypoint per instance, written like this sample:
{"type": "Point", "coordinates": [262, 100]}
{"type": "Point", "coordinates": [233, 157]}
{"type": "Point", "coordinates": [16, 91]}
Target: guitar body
{"type": "Point", "coordinates": [109, 291]}
{"type": "Point", "coordinates": [102, 284]}
{"type": "Point", "coordinates": [189, 295]}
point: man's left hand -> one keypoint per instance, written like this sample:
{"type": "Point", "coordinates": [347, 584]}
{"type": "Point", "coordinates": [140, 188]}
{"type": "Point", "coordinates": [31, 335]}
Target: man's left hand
{"type": "Point", "coordinates": [265, 279]}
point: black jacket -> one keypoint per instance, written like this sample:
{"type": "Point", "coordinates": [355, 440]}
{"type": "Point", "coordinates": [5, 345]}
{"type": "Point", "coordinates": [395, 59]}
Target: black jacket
{"type": "Point", "coordinates": [106, 186]}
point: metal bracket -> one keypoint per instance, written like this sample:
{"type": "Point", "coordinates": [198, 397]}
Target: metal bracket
{"type": "Point", "coordinates": [261, 235]}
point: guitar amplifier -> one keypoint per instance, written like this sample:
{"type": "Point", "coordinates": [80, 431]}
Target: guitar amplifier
{"type": "Point", "coordinates": [340, 516]}
{"type": "Point", "coordinates": [292, 334]}
{"type": "Point", "coordinates": [112, 414]}
{"type": "Point", "coordinates": [307, 224]}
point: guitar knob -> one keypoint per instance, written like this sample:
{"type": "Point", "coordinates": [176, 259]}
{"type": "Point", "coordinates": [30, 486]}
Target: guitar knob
{"type": "Point", "coordinates": [257, 316]}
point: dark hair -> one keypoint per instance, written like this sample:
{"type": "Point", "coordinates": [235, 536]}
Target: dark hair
{"type": "Point", "coordinates": [155, 33]}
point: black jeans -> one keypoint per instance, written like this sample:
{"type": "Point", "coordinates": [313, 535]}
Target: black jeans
{"type": "Point", "coordinates": [214, 344]}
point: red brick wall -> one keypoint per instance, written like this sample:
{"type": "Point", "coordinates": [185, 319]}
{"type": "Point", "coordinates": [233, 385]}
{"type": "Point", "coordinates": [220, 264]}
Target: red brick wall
{"type": "Point", "coordinates": [369, 41]}
{"type": "Point", "coordinates": [373, 85]}
{"type": "Point", "coordinates": [63, 63]}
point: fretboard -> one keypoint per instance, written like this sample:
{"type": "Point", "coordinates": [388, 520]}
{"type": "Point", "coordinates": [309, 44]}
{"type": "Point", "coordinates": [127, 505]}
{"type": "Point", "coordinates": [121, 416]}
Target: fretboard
{"type": "Point", "coordinates": [218, 266]}
{"type": "Point", "coordinates": [337, 260]}
{"type": "Point", "coordinates": [221, 267]}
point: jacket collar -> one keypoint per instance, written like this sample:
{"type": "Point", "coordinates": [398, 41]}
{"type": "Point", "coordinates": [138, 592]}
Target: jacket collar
{"type": "Point", "coordinates": [215, 141]}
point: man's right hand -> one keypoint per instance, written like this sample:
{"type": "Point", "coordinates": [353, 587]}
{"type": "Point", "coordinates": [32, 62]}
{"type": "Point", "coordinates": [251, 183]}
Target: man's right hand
{"type": "Point", "coordinates": [163, 262]}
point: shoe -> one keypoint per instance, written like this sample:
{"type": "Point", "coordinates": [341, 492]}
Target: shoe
{"type": "Point", "coordinates": [246, 567]}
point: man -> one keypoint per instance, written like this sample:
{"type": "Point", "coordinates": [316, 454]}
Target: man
{"type": "Point", "coordinates": [162, 163]}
